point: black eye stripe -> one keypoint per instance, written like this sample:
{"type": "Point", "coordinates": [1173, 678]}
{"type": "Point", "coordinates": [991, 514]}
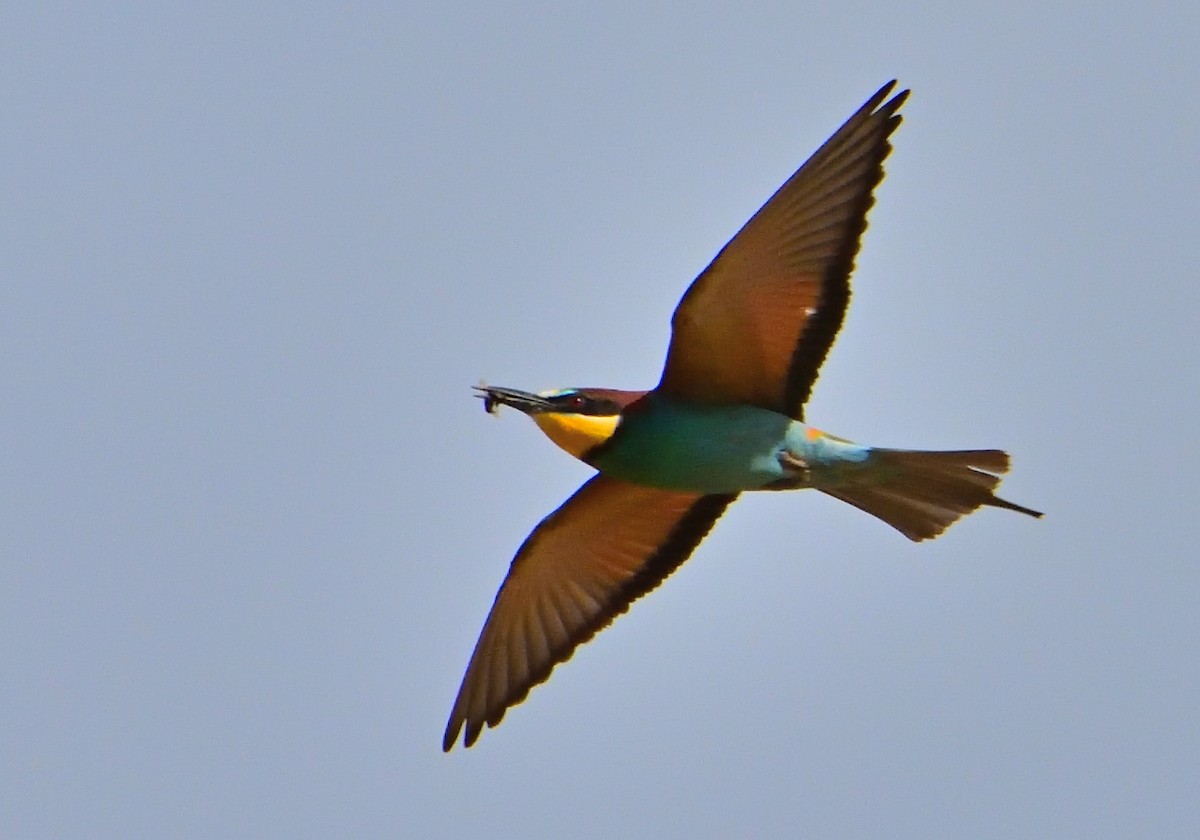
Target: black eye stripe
{"type": "Point", "coordinates": [582, 404]}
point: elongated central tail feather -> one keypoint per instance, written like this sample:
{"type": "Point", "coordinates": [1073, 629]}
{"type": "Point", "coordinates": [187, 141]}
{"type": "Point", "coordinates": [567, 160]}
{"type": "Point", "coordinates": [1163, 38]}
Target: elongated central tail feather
{"type": "Point", "coordinates": [921, 494]}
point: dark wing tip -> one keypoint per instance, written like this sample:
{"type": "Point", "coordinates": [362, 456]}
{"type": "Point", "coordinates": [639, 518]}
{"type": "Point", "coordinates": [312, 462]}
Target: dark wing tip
{"type": "Point", "coordinates": [877, 99]}
{"type": "Point", "coordinates": [880, 95]}
{"type": "Point", "coordinates": [455, 727]}
{"type": "Point", "coordinates": [451, 736]}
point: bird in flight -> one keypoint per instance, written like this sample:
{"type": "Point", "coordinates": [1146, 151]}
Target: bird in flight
{"type": "Point", "coordinates": [727, 416]}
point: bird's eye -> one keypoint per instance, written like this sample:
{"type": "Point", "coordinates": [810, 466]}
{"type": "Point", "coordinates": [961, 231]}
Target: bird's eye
{"type": "Point", "coordinates": [572, 401]}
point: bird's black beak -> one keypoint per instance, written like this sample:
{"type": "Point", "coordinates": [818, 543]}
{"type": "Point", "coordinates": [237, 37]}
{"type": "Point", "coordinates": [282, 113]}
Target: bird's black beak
{"type": "Point", "coordinates": [493, 397]}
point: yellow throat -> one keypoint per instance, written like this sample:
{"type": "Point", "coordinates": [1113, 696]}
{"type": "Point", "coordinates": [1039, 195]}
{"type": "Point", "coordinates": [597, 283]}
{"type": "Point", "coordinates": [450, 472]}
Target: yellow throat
{"type": "Point", "coordinates": [576, 433]}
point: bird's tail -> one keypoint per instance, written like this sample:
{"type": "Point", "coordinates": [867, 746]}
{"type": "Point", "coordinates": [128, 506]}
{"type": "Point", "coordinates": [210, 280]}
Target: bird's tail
{"type": "Point", "coordinates": [921, 494]}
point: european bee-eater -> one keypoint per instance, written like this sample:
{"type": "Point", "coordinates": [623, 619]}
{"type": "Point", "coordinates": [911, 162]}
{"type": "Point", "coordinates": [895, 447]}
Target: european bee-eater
{"type": "Point", "coordinates": [747, 340]}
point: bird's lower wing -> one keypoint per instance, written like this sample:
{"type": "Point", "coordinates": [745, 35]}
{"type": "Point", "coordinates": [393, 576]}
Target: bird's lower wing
{"type": "Point", "coordinates": [582, 566]}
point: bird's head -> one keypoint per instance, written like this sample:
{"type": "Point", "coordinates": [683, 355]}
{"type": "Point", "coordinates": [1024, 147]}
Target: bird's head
{"type": "Point", "coordinates": [576, 419]}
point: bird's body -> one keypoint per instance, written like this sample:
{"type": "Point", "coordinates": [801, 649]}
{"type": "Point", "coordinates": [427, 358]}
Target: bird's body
{"type": "Point", "coordinates": [665, 443]}
{"type": "Point", "coordinates": [727, 416]}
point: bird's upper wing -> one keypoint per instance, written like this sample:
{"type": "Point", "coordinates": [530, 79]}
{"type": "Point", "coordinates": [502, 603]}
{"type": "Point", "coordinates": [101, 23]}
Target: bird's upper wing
{"type": "Point", "coordinates": [755, 326]}
{"type": "Point", "coordinates": [582, 566]}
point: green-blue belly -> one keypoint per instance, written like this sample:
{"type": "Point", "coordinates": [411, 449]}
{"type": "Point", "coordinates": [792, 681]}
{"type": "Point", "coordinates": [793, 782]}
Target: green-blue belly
{"type": "Point", "coordinates": [716, 449]}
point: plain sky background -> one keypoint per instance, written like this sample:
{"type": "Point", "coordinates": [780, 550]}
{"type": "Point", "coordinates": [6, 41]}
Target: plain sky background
{"type": "Point", "coordinates": [253, 256]}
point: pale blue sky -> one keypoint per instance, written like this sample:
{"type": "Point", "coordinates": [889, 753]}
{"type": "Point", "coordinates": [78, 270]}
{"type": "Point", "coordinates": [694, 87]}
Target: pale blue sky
{"type": "Point", "coordinates": [251, 519]}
